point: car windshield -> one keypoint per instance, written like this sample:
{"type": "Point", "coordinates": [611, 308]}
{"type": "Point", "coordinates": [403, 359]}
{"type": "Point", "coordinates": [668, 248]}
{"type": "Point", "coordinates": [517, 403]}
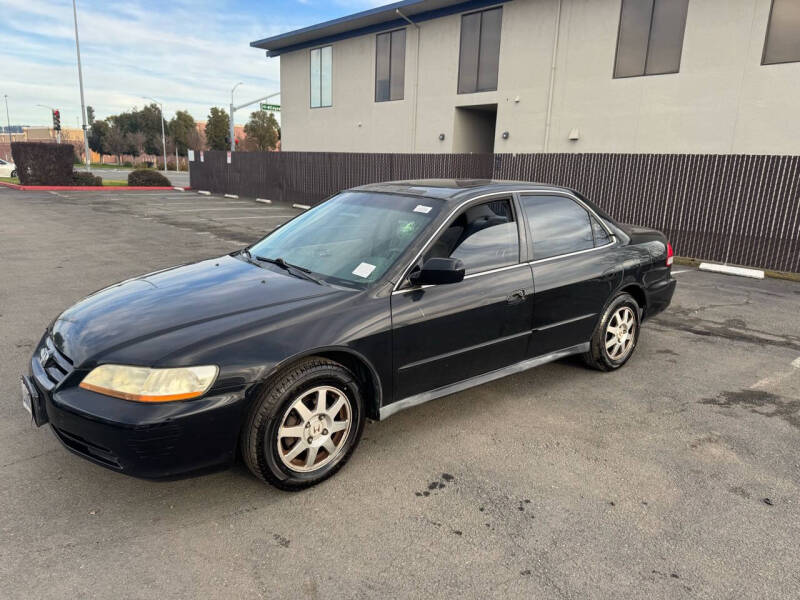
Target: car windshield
{"type": "Point", "coordinates": [353, 238]}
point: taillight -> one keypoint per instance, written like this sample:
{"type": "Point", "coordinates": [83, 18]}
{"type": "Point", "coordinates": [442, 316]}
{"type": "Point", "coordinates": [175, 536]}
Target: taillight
{"type": "Point", "coordinates": [670, 255]}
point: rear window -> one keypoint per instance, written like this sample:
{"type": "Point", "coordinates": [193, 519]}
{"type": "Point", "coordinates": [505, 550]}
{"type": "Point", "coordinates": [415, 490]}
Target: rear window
{"type": "Point", "coordinates": [558, 224]}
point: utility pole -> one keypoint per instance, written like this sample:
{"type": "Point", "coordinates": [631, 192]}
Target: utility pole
{"type": "Point", "coordinates": [8, 120]}
{"type": "Point", "coordinates": [163, 136]}
{"type": "Point", "coordinates": [233, 110]}
{"type": "Point", "coordinates": [80, 81]}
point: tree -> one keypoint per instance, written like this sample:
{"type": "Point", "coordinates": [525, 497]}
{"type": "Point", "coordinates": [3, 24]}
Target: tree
{"type": "Point", "coordinates": [263, 131]}
{"type": "Point", "coordinates": [116, 142]}
{"type": "Point", "coordinates": [217, 129]}
{"type": "Point", "coordinates": [146, 121]}
{"type": "Point", "coordinates": [149, 119]}
{"type": "Point", "coordinates": [182, 127]}
{"type": "Point", "coordinates": [136, 143]}
{"type": "Point", "coordinates": [98, 137]}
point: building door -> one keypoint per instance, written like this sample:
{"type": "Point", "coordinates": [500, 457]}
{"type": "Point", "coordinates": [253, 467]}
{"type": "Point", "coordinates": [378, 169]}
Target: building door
{"type": "Point", "coordinates": [474, 129]}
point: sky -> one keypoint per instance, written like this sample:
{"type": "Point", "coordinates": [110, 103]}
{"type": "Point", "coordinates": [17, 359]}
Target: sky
{"type": "Point", "coordinates": [188, 54]}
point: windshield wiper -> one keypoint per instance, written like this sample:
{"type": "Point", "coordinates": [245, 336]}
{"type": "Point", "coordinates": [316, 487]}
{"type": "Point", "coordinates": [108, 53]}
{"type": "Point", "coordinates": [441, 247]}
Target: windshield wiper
{"type": "Point", "coordinates": [295, 270]}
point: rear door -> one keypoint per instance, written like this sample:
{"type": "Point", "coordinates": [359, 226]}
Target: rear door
{"type": "Point", "coordinates": [575, 270]}
{"type": "Point", "coordinates": [443, 334]}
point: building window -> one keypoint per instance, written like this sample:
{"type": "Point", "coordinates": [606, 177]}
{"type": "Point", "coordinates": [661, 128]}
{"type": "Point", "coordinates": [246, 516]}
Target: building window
{"type": "Point", "coordinates": [650, 39]}
{"type": "Point", "coordinates": [479, 57]}
{"type": "Point", "coordinates": [390, 65]}
{"type": "Point", "coordinates": [321, 67]}
{"type": "Point", "coordinates": [783, 33]}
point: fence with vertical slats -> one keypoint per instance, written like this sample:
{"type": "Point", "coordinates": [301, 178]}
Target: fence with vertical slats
{"type": "Point", "coordinates": [741, 209]}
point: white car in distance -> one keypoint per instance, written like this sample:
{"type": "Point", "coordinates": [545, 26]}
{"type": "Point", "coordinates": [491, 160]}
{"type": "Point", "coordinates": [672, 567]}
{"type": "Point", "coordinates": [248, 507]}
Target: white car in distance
{"type": "Point", "coordinates": [7, 169]}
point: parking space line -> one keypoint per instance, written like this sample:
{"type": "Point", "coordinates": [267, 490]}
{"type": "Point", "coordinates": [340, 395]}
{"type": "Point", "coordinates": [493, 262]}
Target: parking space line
{"type": "Point", "coordinates": [682, 271]}
{"type": "Point", "coordinates": [253, 217]}
{"type": "Point", "coordinates": [181, 210]}
{"type": "Point", "coordinates": [195, 204]}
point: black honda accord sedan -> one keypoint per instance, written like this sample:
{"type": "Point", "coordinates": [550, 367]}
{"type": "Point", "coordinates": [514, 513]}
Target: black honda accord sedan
{"type": "Point", "coordinates": [381, 298]}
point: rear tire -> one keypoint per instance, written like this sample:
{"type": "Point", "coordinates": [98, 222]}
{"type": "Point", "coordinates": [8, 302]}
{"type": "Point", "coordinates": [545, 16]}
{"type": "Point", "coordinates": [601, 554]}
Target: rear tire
{"type": "Point", "coordinates": [615, 338]}
{"type": "Point", "coordinates": [305, 425]}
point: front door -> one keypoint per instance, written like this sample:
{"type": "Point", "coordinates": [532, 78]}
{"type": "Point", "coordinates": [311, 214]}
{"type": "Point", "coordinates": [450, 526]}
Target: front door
{"type": "Point", "coordinates": [447, 333]}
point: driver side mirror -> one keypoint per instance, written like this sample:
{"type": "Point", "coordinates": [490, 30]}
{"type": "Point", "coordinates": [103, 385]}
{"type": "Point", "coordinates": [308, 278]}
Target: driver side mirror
{"type": "Point", "coordinates": [438, 271]}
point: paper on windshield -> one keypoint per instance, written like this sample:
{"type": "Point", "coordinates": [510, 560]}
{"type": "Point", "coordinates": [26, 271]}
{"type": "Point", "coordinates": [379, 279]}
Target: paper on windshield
{"type": "Point", "coordinates": [364, 270]}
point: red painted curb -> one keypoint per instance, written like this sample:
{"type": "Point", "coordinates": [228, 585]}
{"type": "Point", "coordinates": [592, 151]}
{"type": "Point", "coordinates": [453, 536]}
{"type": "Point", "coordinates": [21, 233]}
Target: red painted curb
{"type": "Point", "coordinates": [85, 188]}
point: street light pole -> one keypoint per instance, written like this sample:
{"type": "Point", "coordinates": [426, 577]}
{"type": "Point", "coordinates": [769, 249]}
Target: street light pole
{"type": "Point", "coordinates": [8, 120]}
{"type": "Point", "coordinates": [163, 136]}
{"type": "Point", "coordinates": [80, 81]}
{"type": "Point", "coordinates": [233, 110]}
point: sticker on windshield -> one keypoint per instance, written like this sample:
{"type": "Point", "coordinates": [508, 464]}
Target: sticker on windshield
{"type": "Point", "coordinates": [421, 208]}
{"type": "Point", "coordinates": [364, 270]}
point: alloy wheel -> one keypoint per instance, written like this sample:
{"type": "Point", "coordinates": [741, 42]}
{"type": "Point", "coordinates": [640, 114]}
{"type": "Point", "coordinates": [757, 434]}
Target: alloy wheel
{"type": "Point", "coordinates": [314, 429]}
{"type": "Point", "coordinates": [620, 333]}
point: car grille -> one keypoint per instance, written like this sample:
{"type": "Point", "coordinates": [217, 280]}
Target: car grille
{"type": "Point", "coordinates": [57, 364]}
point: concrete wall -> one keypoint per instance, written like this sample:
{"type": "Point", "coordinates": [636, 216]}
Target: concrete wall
{"type": "Point", "coordinates": [722, 101]}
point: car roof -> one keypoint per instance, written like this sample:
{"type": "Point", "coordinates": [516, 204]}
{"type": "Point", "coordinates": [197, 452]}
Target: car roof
{"type": "Point", "coordinates": [454, 190]}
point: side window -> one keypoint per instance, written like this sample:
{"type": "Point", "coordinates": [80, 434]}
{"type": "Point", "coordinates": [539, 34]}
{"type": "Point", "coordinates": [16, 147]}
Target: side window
{"type": "Point", "coordinates": [483, 237]}
{"type": "Point", "coordinates": [601, 237]}
{"type": "Point", "coordinates": [558, 225]}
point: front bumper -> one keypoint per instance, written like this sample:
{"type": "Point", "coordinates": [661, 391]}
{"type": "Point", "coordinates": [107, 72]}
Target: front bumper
{"type": "Point", "coordinates": [151, 441]}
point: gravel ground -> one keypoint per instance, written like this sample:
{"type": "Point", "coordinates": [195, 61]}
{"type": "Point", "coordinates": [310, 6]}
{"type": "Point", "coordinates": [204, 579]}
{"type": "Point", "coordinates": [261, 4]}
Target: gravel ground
{"type": "Point", "coordinates": [676, 477]}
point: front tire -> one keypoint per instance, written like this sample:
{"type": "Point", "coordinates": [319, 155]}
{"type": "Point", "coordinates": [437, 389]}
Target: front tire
{"type": "Point", "coordinates": [305, 425]}
{"type": "Point", "coordinates": [13, 173]}
{"type": "Point", "coordinates": [616, 335]}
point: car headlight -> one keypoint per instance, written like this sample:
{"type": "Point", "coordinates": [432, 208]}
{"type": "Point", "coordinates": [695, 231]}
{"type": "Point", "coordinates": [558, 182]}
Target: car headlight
{"type": "Point", "coordinates": [141, 384]}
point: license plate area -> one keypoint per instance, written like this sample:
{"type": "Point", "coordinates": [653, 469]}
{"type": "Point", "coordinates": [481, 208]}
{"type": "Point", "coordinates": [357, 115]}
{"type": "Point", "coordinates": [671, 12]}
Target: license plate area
{"type": "Point", "coordinates": [32, 401]}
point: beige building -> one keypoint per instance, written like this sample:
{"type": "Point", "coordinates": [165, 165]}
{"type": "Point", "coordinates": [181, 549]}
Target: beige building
{"type": "Point", "coordinates": [524, 76]}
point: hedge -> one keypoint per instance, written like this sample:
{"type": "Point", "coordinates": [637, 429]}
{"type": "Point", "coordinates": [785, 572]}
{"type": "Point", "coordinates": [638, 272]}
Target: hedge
{"type": "Point", "coordinates": [145, 178]}
{"type": "Point", "coordinates": [85, 178]}
{"type": "Point", "coordinates": [43, 164]}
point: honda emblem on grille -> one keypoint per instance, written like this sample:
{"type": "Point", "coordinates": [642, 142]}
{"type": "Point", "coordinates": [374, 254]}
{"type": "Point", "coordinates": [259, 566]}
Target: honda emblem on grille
{"type": "Point", "coordinates": [45, 355]}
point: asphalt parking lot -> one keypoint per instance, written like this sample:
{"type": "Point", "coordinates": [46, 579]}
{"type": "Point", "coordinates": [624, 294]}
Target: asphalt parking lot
{"type": "Point", "coordinates": [675, 477]}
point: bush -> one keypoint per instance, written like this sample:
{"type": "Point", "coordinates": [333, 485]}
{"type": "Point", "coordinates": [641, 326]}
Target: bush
{"type": "Point", "coordinates": [86, 178]}
{"type": "Point", "coordinates": [127, 163]}
{"type": "Point", "coordinates": [147, 178]}
{"type": "Point", "coordinates": [43, 164]}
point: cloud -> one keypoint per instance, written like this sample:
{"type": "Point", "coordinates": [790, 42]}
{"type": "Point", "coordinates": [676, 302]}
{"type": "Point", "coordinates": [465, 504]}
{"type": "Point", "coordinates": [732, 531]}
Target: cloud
{"type": "Point", "coordinates": [186, 53]}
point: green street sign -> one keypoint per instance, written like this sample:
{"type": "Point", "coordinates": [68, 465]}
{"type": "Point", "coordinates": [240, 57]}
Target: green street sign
{"type": "Point", "coordinates": [271, 107]}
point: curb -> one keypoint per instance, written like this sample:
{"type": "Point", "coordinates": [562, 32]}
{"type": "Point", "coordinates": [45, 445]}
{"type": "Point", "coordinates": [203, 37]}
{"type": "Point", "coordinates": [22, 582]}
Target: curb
{"type": "Point", "coordinates": [232, 196]}
{"type": "Point", "coordinates": [301, 206]}
{"type": "Point", "coordinates": [84, 188]}
{"type": "Point", "coordinates": [731, 270]}
{"type": "Point", "coordinates": [263, 201]}
{"type": "Point", "coordinates": [204, 192]}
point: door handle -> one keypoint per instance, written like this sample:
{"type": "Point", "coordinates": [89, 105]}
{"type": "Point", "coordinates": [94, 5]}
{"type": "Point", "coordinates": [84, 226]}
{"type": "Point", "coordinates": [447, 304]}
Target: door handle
{"type": "Point", "coordinates": [516, 297]}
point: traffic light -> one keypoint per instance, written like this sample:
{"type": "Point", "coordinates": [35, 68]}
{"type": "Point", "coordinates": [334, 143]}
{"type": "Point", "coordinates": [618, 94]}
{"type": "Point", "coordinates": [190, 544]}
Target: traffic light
{"type": "Point", "coordinates": [57, 120]}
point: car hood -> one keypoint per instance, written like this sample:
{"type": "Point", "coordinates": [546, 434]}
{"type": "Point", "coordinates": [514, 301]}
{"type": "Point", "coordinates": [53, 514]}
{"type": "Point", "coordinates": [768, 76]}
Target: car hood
{"type": "Point", "coordinates": [182, 297]}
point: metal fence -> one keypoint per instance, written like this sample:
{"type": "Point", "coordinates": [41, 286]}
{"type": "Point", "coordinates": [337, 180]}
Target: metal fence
{"type": "Point", "coordinates": [740, 209]}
